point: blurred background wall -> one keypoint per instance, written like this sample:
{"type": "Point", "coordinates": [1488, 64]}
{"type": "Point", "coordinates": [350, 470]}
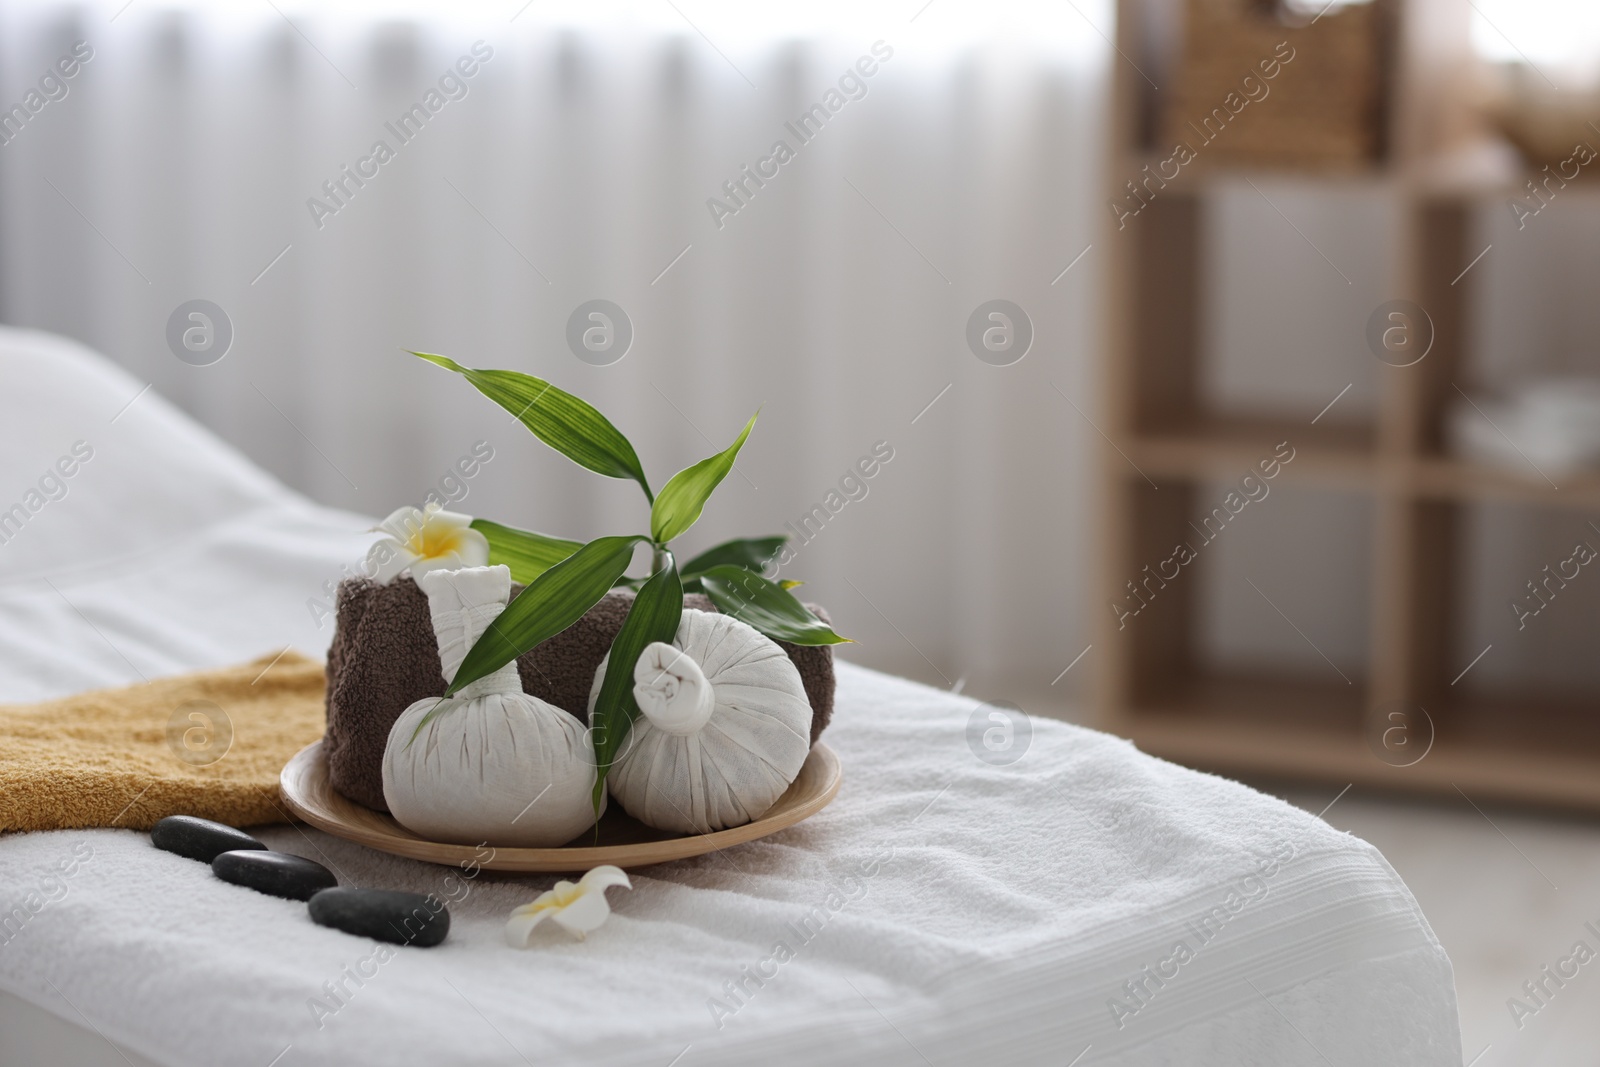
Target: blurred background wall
{"type": "Point", "coordinates": [578, 165]}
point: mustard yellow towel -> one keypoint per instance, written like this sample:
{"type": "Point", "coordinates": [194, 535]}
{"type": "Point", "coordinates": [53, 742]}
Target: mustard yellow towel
{"type": "Point", "coordinates": [209, 744]}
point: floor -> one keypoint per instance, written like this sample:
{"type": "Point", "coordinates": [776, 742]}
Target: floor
{"type": "Point", "coordinates": [1508, 893]}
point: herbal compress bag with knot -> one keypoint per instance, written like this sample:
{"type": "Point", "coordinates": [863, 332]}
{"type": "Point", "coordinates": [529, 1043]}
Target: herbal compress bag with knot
{"type": "Point", "coordinates": [724, 727]}
{"type": "Point", "coordinates": [471, 770]}
{"type": "Point", "coordinates": [490, 764]}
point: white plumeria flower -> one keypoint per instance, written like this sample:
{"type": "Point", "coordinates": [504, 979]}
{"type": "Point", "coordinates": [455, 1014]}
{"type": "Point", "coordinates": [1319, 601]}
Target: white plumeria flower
{"type": "Point", "coordinates": [425, 539]}
{"type": "Point", "coordinates": [578, 907]}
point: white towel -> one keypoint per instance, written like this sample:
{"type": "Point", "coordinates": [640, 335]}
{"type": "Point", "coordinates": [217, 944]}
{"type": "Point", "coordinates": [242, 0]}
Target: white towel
{"type": "Point", "coordinates": [941, 907]}
{"type": "Point", "coordinates": [1006, 908]}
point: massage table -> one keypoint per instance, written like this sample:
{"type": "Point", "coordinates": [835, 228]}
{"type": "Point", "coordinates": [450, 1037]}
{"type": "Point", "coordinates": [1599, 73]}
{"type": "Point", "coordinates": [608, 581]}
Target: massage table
{"type": "Point", "coordinates": [1084, 905]}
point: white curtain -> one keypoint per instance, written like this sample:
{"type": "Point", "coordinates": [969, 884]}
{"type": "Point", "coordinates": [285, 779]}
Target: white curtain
{"type": "Point", "coordinates": [576, 163]}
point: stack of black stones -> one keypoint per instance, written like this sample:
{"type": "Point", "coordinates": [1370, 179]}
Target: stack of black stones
{"type": "Point", "coordinates": [235, 856]}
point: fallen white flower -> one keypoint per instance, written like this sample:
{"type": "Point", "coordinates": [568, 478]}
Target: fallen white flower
{"type": "Point", "coordinates": [578, 907]}
{"type": "Point", "coordinates": [425, 539]}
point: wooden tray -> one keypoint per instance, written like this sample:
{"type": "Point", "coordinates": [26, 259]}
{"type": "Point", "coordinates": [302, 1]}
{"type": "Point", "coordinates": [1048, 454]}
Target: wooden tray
{"type": "Point", "coordinates": [623, 840]}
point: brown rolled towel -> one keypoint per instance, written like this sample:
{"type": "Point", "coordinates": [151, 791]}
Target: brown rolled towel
{"type": "Point", "coordinates": [385, 657]}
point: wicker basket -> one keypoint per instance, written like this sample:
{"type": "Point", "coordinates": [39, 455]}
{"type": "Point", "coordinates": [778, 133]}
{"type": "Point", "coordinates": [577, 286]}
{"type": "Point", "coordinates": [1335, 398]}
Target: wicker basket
{"type": "Point", "coordinates": [1258, 87]}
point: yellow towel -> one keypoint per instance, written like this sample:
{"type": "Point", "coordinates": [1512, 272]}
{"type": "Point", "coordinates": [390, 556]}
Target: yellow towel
{"type": "Point", "coordinates": [209, 744]}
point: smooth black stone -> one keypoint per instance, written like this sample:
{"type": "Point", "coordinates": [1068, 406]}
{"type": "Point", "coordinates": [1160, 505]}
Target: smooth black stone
{"type": "Point", "coordinates": [382, 914]}
{"type": "Point", "coordinates": [199, 839]}
{"type": "Point", "coordinates": [275, 873]}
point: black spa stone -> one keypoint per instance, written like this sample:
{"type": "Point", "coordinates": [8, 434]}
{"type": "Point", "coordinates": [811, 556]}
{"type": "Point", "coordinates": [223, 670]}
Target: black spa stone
{"type": "Point", "coordinates": [382, 914]}
{"type": "Point", "coordinates": [199, 839]}
{"type": "Point", "coordinates": [275, 873]}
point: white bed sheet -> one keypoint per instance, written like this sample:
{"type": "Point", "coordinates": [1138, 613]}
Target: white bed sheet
{"type": "Point", "coordinates": [1005, 911]}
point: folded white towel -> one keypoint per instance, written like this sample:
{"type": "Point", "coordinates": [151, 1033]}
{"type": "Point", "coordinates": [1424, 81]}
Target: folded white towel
{"type": "Point", "coordinates": [941, 910]}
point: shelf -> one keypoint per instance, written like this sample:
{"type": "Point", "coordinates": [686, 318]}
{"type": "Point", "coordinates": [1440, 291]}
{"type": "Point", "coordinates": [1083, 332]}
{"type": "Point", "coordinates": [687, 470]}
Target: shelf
{"type": "Point", "coordinates": [1156, 679]}
{"type": "Point", "coordinates": [1427, 181]}
{"type": "Point", "coordinates": [1521, 722]}
{"type": "Point", "coordinates": [1283, 730]}
{"type": "Point", "coordinates": [1330, 453]}
{"type": "Point", "coordinates": [1260, 702]}
{"type": "Point", "coordinates": [1342, 457]}
{"type": "Point", "coordinates": [1499, 189]}
{"type": "Point", "coordinates": [1452, 479]}
{"type": "Point", "coordinates": [1201, 173]}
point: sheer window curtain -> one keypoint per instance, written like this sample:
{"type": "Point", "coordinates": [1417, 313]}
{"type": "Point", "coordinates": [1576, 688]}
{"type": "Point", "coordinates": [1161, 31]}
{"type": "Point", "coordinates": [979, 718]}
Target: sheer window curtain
{"type": "Point", "coordinates": [575, 163]}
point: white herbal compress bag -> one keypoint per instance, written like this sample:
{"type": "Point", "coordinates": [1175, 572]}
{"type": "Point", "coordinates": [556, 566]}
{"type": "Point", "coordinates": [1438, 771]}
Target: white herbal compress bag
{"type": "Point", "coordinates": [495, 765]}
{"type": "Point", "coordinates": [724, 727]}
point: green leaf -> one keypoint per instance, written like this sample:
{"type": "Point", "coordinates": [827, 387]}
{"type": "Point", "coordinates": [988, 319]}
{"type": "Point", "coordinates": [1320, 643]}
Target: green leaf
{"type": "Point", "coordinates": [567, 424]}
{"type": "Point", "coordinates": [767, 606]}
{"type": "Point", "coordinates": [654, 616]}
{"type": "Point", "coordinates": [682, 498]}
{"type": "Point", "coordinates": [551, 603]}
{"type": "Point", "coordinates": [751, 553]}
{"type": "Point", "coordinates": [528, 554]}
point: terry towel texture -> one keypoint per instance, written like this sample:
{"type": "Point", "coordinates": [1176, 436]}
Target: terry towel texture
{"type": "Point", "coordinates": [104, 758]}
{"type": "Point", "coordinates": [385, 657]}
{"type": "Point", "coordinates": [941, 911]}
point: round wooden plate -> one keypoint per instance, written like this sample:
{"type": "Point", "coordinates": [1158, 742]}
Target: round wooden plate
{"type": "Point", "coordinates": [623, 840]}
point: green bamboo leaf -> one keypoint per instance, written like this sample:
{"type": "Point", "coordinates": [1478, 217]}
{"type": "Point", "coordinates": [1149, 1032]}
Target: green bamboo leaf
{"type": "Point", "coordinates": [654, 616]}
{"type": "Point", "coordinates": [528, 554]}
{"type": "Point", "coordinates": [567, 424]}
{"type": "Point", "coordinates": [767, 606]}
{"type": "Point", "coordinates": [751, 553]}
{"type": "Point", "coordinates": [551, 603]}
{"type": "Point", "coordinates": [683, 497]}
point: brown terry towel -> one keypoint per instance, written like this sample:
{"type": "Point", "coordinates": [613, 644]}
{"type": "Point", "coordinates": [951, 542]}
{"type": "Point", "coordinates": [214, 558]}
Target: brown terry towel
{"type": "Point", "coordinates": [104, 758]}
{"type": "Point", "coordinates": [385, 657]}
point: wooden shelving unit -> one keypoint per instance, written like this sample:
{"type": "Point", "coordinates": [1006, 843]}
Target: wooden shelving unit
{"type": "Point", "coordinates": [1153, 688]}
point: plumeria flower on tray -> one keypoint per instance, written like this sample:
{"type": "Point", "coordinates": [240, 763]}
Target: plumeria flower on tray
{"type": "Point", "coordinates": [578, 907]}
{"type": "Point", "coordinates": [425, 539]}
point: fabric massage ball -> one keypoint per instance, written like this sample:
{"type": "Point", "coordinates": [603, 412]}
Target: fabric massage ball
{"type": "Point", "coordinates": [723, 729]}
{"type": "Point", "coordinates": [495, 765]}
{"type": "Point", "coordinates": [385, 657]}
